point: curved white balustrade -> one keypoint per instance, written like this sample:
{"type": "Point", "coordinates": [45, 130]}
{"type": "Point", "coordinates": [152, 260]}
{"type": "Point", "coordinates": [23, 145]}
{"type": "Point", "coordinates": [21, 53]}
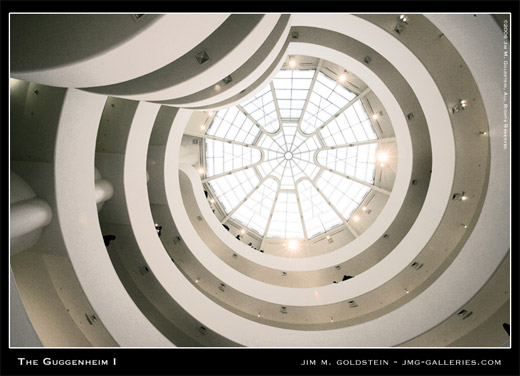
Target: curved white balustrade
{"type": "Point", "coordinates": [77, 213]}
{"type": "Point", "coordinates": [76, 197]}
{"type": "Point", "coordinates": [247, 81]}
{"type": "Point", "coordinates": [392, 207]}
{"type": "Point", "coordinates": [165, 40]}
{"type": "Point", "coordinates": [212, 75]}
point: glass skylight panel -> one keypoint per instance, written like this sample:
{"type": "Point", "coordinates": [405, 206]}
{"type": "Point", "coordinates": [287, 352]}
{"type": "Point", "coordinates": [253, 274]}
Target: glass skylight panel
{"type": "Point", "coordinates": [224, 157]}
{"type": "Point", "coordinates": [291, 90]}
{"type": "Point", "coordinates": [356, 161]}
{"type": "Point", "coordinates": [352, 125]}
{"type": "Point", "coordinates": [318, 216]}
{"type": "Point", "coordinates": [231, 189]}
{"type": "Point", "coordinates": [289, 136]}
{"type": "Point", "coordinates": [303, 168]}
{"type": "Point", "coordinates": [254, 212]}
{"type": "Point", "coordinates": [286, 222]}
{"type": "Point", "coordinates": [287, 179]}
{"type": "Point", "coordinates": [360, 111]}
{"type": "Point", "coordinates": [232, 124]}
{"type": "Point", "coordinates": [289, 156]}
{"type": "Point", "coordinates": [366, 162]}
{"type": "Point", "coordinates": [346, 195]}
{"type": "Point", "coordinates": [327, 98]}
{"type": "Point", "coordinates": [263, 110]}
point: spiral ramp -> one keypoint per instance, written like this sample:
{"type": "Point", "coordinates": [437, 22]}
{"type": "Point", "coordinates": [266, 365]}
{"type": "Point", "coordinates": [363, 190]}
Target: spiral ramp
{"type": "Point", "coordinates": [101, 133]}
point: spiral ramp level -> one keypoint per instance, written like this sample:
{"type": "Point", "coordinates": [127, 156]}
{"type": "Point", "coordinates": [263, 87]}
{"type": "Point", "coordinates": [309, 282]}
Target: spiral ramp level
{"type": "Point", "coordinates": [98, 146]}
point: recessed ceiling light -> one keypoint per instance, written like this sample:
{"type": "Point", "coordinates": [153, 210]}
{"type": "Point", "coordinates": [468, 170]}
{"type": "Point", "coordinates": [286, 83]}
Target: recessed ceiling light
{"type": "Point", "coordinates": [342, 77]}
{"type": "Point", "coordinates": [364, 208]}
{"type": "Point", "coordinates": [375, 116]}
{"type": "Point", "coordinates": [382, 156]}
{"type": "Point", "coordinates": [293, 245]}
{"type": "Point", "coordinates": [292, 63]}
{"type": "Point", "coordinates": [202, 127]}
{"type": "Point", "coordinates": [328, 237]}
{"type": "Point", "coordinates": [201, 170]}
{"type": "Point", "coordinates": [210, 113]}
{"type": "Point", "coordinates": [464, 198]}
{"type": "Point", "coordinates": [382, 165]}
{"type": "Point", "coordinates": [212, 201]}
{"type": "Point", "coordinates": [242, 231]}
{"type": "Point", "coordinates": [284, 244]}
{"type": "Point", "coordinates": [356, 218]}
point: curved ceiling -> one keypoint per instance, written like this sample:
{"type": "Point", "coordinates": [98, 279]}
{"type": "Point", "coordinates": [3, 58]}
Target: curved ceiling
{"type": "Point", "coordinates": [386, 255]}
{"type": "Point", "coordinates": [280, 162]}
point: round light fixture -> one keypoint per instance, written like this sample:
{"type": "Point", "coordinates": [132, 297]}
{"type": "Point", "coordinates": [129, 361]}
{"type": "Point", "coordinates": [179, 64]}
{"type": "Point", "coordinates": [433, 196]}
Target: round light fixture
{"type": "Point", "coordinates": [382, 156]}
{"type": "Point", "coordinates": [292, 245]}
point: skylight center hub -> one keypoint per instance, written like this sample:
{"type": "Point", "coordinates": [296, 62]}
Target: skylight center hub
{"type": "Point", "coordinates": [288, 155]}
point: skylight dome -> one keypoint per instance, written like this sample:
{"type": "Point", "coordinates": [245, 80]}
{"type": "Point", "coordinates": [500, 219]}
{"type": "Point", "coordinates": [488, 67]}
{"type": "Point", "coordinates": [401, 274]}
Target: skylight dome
{"type": "Point", "coordinates": [294, 161]}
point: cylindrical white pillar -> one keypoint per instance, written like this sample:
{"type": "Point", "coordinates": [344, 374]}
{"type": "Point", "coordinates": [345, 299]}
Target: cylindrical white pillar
{"type": "Point", "coordinates": [29, 215]}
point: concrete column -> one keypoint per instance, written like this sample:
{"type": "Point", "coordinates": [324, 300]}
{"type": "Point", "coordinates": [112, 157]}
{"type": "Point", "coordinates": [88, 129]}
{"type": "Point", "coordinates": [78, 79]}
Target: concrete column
{"type": "Point", "coordinates": [28, 216]}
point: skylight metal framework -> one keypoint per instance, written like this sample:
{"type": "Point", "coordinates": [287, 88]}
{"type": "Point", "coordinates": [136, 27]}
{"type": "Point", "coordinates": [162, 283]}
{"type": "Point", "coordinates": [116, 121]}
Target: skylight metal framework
{"type": "Point", "coordinates": [296, 160]}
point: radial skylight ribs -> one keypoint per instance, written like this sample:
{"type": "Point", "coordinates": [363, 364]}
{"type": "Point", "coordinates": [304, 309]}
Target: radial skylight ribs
{"type": "Point", "coordinates": [271, 213]}
{"type": "Point", "coordinates": [357, 161]}
{"type": "Point", "coordinates": [358, 143]}
{"type": "Point", "coordinates": [273, 93]}
{"type": "Point", "coordinates": [250, 193]}
{"type": "Point", "coordinates": [268, 132]}
{"type": "Point", "coordinates": [327, 98]}
{"type": "Point", "coordinates": [242, 201]}
{"type": "Point", "coordinates": [309, 93]}
{"type": "Point", "coordinates": [348, 127]}
{"type": "Point", "coordinates": [318, 215]}
{"type": "Point", "coordinates": [254, 213]}
{"type": "Point", "coordinates": [228, 156]}
{"type": "Point", "coordinates": [342, 110]}
{"type": "Point", "coordinates": [294, 192]}
{"type": "Point", "coordinates": [262, 109]}
{"type": "Point", "coordinates": [338, 213]}
{"type": "Point", "coordinates": [286, 222]}
{"type": "Point", "coordinates": [354, 179]}
{"type": "Point", "coordinates": [231, 189]}
{"type": "Point", "coordinates": [291, 87]}
{"type": "Point", "coordinates": [344, 194]}
{"type": "Point", "coordinates": [300, 210]}
{"type": "Point", "coordinates": [245, 132]}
